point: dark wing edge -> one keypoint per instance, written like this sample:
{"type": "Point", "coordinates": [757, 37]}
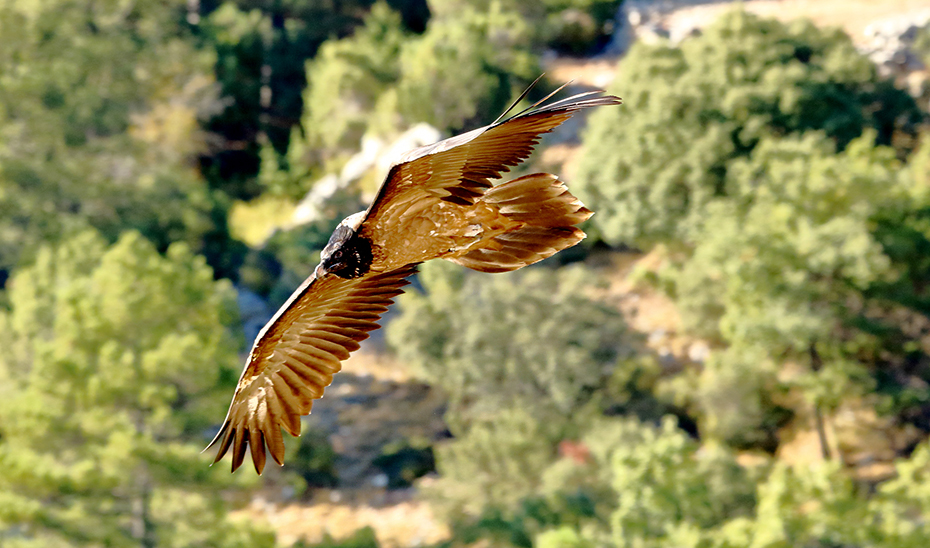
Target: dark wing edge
{"type": "Point", "coordinates": [522, 96]}
{"type": "Point", "coordinates": [567, 106]}
{"type": "Point", "coordinates": [295, 359]}
{"type": "Point", "coordinates": [491, 151]}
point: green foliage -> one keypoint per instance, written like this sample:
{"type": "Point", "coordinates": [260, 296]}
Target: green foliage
{"type": "Point", "coordinates": [793, 265]}
{"type": "Point", "coordinates": [403, 462]}
{"type": "Point", "coordinates": [116, 361]}
{"type": "Point", "coordinates": [669, 494]}
{"type": "Point", "coordinates": [756, 156]}
{"type": "Point", "coordinates": [570, 26]}
{"type": "Point", "coordinates": [902, 498]}
{"type": "Point", "coordinates": [262, 48]}
{"type": "Point", "coordinates": [568, 487]}
{"type": "Point", "coordinates": [563, 537]}
{"type": "Point", "coordinates": [734, 399]}
{"type": "Point", "coordinates": [239, 39]}
{"type": "Point", "coordinates": [530, 338]}
{"type": "Point", "coordinates": [315, 459]}
{"type": "Point", "coordinates": [626, 484]}
{"type": "Point", "coordinates": [579, 26]}
{"type": "Point", "coordinates": [494, 462]}
{"type": "Point", "coordinates": [345, 83]}
{"type": "Point", "coordinates": [99, 104]}
{"type": "Point", "coordinates": [465, 69]}
{"type": "Point", "coordinates": [533, 515]}
{"type": "Point", "coordinates": [526, 360]}
{"type": "Point", "coordinates": [667, 491]}
{"type": "Point", "coordinates": [363, 538]}
{"type": "Point", "coordinates": [904, 234]}
{"type": "Point", "coordinates": [652, 167]}
{"type": "Point", "coordinates": [642, 485]}
{"type": "Point", "coordinates": [461, 72]}
{"type": "Point", "coordinates": [777, 259]}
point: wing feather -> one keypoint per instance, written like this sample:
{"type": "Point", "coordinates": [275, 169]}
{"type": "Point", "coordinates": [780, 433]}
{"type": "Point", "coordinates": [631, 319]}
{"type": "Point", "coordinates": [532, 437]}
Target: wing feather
{"type": "Point", "coordinates": [239, 445]}
{"type": "Point", "coordinates": [358, 315]}
{"type": "Point", "coordinates": [312, 377]}
{"type": "Point", "coordinates": [302, 347]}
{"type": "Point", "coordinates": [256, 441]}
{"type": "Point", "coordinates": [227, 439]}
{"type": "Point", "coordinates": [460, 169]}
{"type": "Point", "coordinates": [295, 357]}
{"type": "Point", "coordinates": [290, 406]}
{"type": "Point", "coordinates": [305, 353]}
{"type": "Point", "coordinates": [336, 344]}
{"type": "Point", "coordinates": [271, 429]}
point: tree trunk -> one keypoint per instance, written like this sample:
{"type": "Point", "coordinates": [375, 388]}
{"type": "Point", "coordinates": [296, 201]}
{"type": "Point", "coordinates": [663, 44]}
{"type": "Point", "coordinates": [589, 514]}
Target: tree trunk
{"type": "Point", "coordinates": [819, 423]}
{"type": "Point", "coordinates": [142, 527]}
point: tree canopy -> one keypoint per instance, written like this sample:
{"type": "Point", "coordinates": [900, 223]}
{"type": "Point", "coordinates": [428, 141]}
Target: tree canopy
{"type": "Point", "coordinates": [760, 160]}
{"type": "Point", "coordinates": [651, 167]}
{"type": "Point", "coordinates": [116, 357]}
{"type": "Point", "coordinates": [100, 109]}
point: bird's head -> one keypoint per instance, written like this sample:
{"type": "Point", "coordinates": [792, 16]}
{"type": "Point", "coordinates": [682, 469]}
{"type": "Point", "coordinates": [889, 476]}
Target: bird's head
{"type": "Point", "coordinates": [345, 254]}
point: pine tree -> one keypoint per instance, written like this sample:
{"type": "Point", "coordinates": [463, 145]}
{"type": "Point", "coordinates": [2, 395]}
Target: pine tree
{"type": "Point", "coordinates": [531, 338]}
{"type": "Point", "coordinates": [525, 358]}
{"type": "Point", "coordinates": [461, 72]}
{"type": "Point", "coordinates": [99, 108]}
{"type": "Point", "coordinates": [651, 167]}
{"type": "Point", "coordinates": [109, 382]}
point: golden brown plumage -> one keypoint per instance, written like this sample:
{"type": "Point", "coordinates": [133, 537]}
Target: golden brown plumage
{"type": "Point", "coordinates": [438, 201]}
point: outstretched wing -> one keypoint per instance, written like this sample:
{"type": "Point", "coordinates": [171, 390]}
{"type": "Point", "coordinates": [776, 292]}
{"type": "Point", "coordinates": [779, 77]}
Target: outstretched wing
{"type": "Point", "coordinates": [295, 357]}
{"type": "Point", "coordinates": [301, 348]}
{"type": "Point", "coordinates": [460, 169]}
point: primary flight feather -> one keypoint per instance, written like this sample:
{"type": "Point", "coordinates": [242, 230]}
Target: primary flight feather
{"type": "Point", "coordinates": [437, 201]}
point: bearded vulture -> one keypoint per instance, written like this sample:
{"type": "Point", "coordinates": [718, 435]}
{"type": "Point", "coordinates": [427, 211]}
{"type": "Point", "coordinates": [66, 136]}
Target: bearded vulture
{"type": "Point", "coordinates": [437, 201]}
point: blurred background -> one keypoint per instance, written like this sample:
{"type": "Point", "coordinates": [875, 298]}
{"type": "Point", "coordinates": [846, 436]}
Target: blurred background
{"type": "Point", "coordinates": [738, 355]}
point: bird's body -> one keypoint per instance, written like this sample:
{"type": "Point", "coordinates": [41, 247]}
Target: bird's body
{"type": "Point", "coordinates": [437, 201]}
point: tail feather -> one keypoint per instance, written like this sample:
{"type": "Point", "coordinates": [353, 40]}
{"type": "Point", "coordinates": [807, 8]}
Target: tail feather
{"type": "Point", "coordinates": [540, 199]}
{"type": "Point", "coordinates": [546, 212]}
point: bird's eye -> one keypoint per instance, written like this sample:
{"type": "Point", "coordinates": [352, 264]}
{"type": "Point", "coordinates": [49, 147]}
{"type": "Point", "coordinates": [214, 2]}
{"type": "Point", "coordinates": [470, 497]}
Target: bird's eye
{"type": "Point", "coordinates": [337, 254]}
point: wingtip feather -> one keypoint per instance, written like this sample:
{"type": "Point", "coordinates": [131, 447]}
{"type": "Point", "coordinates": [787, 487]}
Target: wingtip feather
{"type": "Point", "coordinates": [239, 446]}
{"type": "Point", "coordinates": [225, 433]}
{"type": "Point", "coordinates": [267, 404]}
{"type": "Point", "coordinates": [257, 447]}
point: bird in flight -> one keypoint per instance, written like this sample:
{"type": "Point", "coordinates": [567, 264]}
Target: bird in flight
{"type": "Point", "coordinates": [438, 201]}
